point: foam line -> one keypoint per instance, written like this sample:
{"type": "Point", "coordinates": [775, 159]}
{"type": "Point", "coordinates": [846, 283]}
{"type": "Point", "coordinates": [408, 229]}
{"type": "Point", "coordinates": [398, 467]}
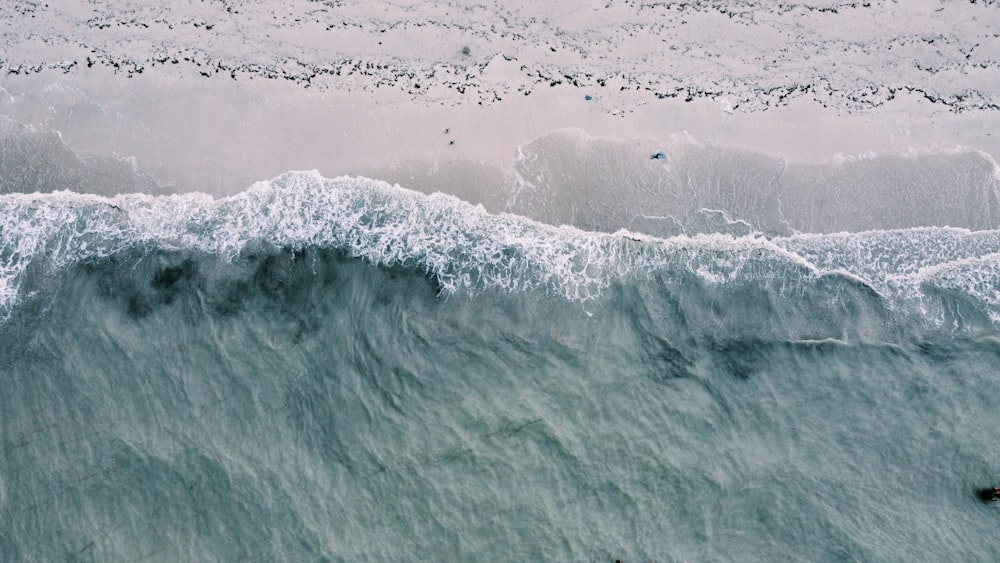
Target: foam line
{"type": "Point", "coordinates": [463, 246]}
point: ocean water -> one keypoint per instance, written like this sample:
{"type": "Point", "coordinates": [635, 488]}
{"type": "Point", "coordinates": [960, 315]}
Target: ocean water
{"type": "Point", "coordinates": [717, 356]}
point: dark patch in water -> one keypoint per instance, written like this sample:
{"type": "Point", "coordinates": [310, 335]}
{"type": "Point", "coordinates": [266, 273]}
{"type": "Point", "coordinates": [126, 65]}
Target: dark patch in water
{"type": "Point", "coordinates": [167, 279]}
{"type": "Point", "coordinates": [279, 277]}
{"type": "Point", "coordinates": [665, 360]}
{"type": "Point", "coordinates": [166, 284]}
{"type": "Point", "coordinates": [742, 358]}
{"type": "Point", "coordinates": [991, 494]}
{"type": "Point", "coordinates": [654, 317]}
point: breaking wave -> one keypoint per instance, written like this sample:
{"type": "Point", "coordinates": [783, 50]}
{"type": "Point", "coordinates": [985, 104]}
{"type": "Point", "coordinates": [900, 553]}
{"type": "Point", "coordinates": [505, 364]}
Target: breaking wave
{"type": "Point", "coordinates": [465, 248]}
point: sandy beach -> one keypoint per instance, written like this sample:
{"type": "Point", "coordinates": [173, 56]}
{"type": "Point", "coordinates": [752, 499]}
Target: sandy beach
{"type": "Point", "coordinates": [212, 97]}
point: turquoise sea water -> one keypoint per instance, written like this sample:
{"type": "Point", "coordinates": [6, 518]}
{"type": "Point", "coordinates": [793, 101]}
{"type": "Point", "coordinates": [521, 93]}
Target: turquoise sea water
{"type": "Point", "coordinates": [339, 369]}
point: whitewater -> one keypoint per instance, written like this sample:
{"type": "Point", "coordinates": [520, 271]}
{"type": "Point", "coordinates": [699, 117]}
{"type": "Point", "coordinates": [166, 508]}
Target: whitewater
{"type": "Point", "coordinates": [461, 246]}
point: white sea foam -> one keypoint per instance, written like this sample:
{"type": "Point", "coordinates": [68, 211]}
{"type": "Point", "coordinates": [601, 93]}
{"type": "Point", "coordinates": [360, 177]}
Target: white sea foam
{"type": "Point", "coordinates": [897, 262]}
{"type": "Point", "coordinates": [465, 247]}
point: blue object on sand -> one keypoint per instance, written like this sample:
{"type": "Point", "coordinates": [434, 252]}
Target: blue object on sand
{"type": "Point", "coordinates": [657, 156]}
{"type": "Point", "coordinates": [588, 97]}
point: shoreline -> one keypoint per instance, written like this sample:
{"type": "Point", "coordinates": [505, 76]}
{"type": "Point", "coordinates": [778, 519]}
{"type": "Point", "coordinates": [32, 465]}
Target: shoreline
{"type": "Point", "coordinates": [220, 135]}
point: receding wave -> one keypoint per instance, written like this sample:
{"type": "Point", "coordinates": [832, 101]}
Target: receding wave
{"type": "Point", "coordinates": [605, 184]}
